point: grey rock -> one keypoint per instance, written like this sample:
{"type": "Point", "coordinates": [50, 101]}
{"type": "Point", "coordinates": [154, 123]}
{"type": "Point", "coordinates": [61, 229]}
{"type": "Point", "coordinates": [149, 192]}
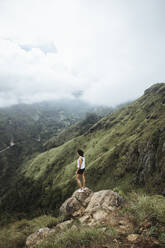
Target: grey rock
{"type": "Point", "coordinates": [64, 224]}
{"type": "Point", "coordinates": [76, 204]}
{"type": "Point", "coordinates": [36, 238]}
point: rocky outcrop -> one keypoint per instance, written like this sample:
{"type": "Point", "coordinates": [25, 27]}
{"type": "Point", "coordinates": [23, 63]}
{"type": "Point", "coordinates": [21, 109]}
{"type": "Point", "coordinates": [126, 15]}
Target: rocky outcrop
{"type": "Point", "coordinates": [96, 209]}
{"type": "Point", "coordinates": [91, 207]}
{"type": "Point", "coordinates": [76, 204]}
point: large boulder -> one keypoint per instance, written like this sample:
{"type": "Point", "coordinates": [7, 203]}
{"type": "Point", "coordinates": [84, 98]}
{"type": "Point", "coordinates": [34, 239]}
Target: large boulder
{"type": "Point", "coordinates": [90, 207]}
{"type": "Point", "coordinates": [76, 204]}
{"type": "Point", "coordinates": [104, 199]}
{"type": "Point", "coordinates": [100, 207]}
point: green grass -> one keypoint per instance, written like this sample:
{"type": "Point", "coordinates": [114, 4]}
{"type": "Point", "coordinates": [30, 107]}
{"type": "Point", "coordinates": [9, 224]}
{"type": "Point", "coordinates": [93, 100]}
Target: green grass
{"type": "Point", "coordinates": [14, 234]}
{"type": "Point", "coordinates": [148, 207]}
{"type": "Point", "coordinates": [115, 154]}
{"type": "Point", "coordinates": [84, 237]}
{"type": "Point", "coordinates": [162, 238]}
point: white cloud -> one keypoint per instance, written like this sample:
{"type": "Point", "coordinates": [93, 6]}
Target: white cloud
{"type": "Point", "coordinates": [30, 76]}
{"type": "Point", "coordinates": [45, 47]}
{"type": "Point", "coordinates": [108, 50]}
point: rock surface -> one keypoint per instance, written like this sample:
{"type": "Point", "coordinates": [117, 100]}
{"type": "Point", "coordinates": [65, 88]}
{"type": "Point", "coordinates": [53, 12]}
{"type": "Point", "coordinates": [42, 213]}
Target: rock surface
{"type": "Point", "coordinates": [76, 204]}
{"type": "Point", "coordinates": [64, 224]}
{"type": "Point", "coordinates": [91, 207]}
{"type": "Point", "coordinates": [97, 208]}
{"type": "Point", "coordinates": [36, 238]}
{"type": "Point", "coordinates": [134, 238]}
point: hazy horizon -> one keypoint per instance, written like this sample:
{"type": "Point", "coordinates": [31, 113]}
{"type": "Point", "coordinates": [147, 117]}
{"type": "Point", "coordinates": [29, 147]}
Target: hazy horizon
{"type": "Point", "coordinates": [102, 52]}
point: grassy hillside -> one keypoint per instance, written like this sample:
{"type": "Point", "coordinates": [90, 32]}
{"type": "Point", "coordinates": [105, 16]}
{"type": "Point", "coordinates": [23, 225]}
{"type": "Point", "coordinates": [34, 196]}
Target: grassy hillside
{"type": "Point", "coordinates": [75, 130]}
{"type": "Point", "coordinates": [124, 150]}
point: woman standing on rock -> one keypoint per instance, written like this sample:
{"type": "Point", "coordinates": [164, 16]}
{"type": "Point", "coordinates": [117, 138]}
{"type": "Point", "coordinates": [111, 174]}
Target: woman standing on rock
{"type": "Point", "coordinates": [80, 171]}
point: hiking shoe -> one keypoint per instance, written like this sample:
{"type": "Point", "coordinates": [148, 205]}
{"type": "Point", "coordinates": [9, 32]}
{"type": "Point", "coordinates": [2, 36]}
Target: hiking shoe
{"type": "Point", "coordinates": [80, 190]}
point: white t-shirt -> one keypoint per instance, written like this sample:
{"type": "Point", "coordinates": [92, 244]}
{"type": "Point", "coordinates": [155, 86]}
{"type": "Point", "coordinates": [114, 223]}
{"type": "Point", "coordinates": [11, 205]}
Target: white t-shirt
{"type": "Point", "coordinates": [83, 162]}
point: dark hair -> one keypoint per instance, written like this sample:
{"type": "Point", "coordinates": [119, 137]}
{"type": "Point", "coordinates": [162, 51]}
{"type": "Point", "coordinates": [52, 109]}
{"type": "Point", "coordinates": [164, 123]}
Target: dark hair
{"type": "Point", "coordinates": [80, 152]}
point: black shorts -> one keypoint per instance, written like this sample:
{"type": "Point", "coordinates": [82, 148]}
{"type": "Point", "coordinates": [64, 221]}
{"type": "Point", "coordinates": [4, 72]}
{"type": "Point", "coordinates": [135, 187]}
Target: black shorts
{"type": "Point", "coordinates": [80, 171]}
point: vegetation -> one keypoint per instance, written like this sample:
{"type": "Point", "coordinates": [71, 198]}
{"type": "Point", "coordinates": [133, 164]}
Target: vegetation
{"type": "Point", "coordinates": [80, 238]}
{"type": "Point", "coordinates": [14, 234]}
{"type": "Point", "coordinates": [123, 149]}
{"type": "Point", "coordinates": [144, 211]}
{"type": "Point", "coordinates": [75, 130]}
{"type": "Point", "coordinates": [148, 207]}
{"type": "Point", "coordinates": [148, 214]}
{"type": "Point", "coordinates": [29, 126]}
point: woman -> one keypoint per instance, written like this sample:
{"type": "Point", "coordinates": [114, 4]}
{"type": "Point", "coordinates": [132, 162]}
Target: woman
{"type": "Point", "coordinates": [80, 170]}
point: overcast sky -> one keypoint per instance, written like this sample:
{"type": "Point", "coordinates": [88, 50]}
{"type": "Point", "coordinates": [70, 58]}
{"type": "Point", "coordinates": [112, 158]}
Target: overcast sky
{"type": "Point", "coordinates": [103, 51]}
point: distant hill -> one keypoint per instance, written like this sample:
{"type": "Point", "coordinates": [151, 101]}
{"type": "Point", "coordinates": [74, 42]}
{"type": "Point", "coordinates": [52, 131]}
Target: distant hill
{"type": "Point", "coordinates": [30, 126]}
{"type": "Point", "coordinates": [124, 150]}
{"type": "Point", "coordinates": [41, 121]}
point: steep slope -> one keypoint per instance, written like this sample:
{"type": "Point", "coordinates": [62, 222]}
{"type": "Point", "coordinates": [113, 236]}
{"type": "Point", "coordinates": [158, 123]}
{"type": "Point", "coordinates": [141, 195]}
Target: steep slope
{"type": "Point", "coordinates": [75, 130]}
{"type": "Point", "coordinates": [24, 128]}
{"type": "Point", "coordinates": [124, 150]}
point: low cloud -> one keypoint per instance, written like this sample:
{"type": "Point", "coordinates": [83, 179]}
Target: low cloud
{"type": "Point", "coordinates": [77, 93]}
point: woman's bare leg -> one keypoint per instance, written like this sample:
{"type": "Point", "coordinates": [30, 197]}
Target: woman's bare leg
{"type": "Point", "coordinates": [78, 180]}
{"type": "Point", "coordinates": [83, 180]}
